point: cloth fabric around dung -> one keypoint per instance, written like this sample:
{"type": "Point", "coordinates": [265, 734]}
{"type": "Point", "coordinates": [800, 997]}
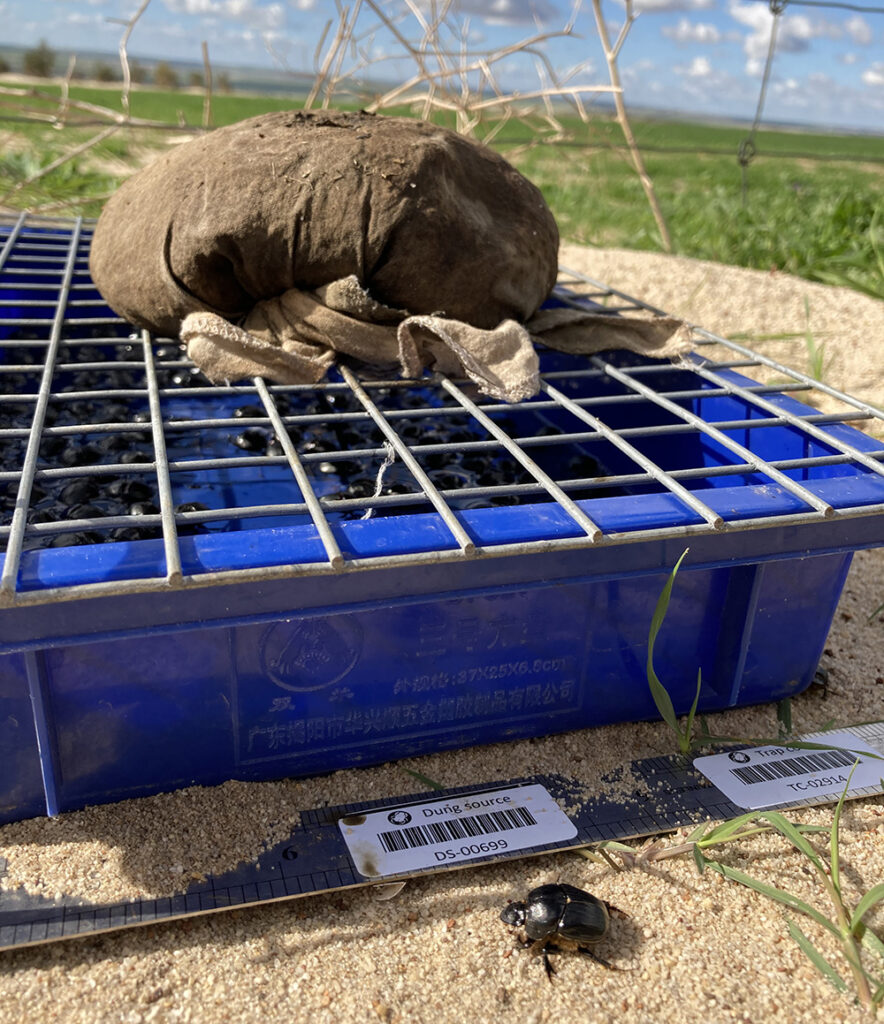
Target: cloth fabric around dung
{"type": "Point", "coordinates": [294, 339]}
{"type": "Point", "coordinates": [278, 242]}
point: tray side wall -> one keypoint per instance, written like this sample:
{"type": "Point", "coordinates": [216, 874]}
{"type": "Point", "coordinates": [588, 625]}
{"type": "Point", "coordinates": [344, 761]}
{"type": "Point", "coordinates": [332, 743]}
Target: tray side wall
{"type": "Point", "coordinates": [303, 695]}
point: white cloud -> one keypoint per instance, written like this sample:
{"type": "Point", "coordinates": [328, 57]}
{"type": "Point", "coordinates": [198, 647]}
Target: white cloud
{"type": "Point", "coordinates": [858, 29]}
{"type": "Point", "coordinates": [303, 5]}
{"type": "Point", "coordinates": [705, 86]}
{"type": "Point", "coordinates": [260, 16]}
{"type": "Point", "coordinates": [274, 15]}
{"type": "Point", "coordinates": [660, 6]}
{"type": "Point", "coordinates": [193, 6]}
{"type": "Point", "coordinates": [827, 100]}
{"type": "Point", "coordinates": [848, 58]}
{"type": "Point", "coordinates": [172, 30]}
{"type": "Point", "coordinates": [874, 74]}
{"type": "Point", "coordinates": [700, 68]}
{"type": "Point", "coordinates": [507, 12]}
{"type": "Point", "coordinates": [795, 32]}
{"type": "Point", "coordinates": [692, 32]}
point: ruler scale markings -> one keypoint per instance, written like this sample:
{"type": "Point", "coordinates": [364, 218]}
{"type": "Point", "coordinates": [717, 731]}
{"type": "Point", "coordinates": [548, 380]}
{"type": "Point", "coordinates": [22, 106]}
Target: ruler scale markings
{"type": "Point", "coordinates": [683, 797]}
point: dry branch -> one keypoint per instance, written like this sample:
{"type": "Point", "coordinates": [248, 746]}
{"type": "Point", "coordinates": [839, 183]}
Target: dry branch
{"type": "Point", "coordinates": [124, 56]}
{"type": "Point", "coordinates": [207, 102]}
{"type": "Point", "coordinates": [64, 104]}
{"type": "Point", "coordinates": [337, 47]}
{"type": "Point", "coordinates": [611, 54]}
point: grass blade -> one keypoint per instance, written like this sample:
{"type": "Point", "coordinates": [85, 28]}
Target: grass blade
{"type": "Point", "coordinates": [599, 857]}
{"type": "Point", "coordinates": [786, 828]}
{"type": "Point", "coordinates": [815, 957]}
{"type": "Point", "coordinates": [874, 896]}
{"type": "Point", "coordinates": [724, 831]}
{"type": "Point", "coordinates": [698, 833]}
{"type": "Point", "coordinates": [689, 724]}
{"type": "Point", "coordinates": [784, 716]}
{"type": "Point", "coordinates": [873, 238]}
{"type": "Point", "coordinates": [658, 690]}
{"type": "Point", "coordinates": [786, 898]}
{"type": "Point", "coordinates": [428, 782]}
{"type": "Point", "coordinates": [870, 940]}
{"type": "Point", "coordinates": [834, 860]}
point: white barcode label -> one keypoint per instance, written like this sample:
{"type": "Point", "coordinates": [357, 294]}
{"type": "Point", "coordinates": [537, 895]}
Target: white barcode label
{"type": "Point", "coordinates": [442, 833]}
{"type": "Point", "coordinates": [769, 776]}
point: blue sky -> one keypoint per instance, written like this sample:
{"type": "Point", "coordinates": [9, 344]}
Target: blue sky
{"type": "Point", "coordinates": [703, 56]}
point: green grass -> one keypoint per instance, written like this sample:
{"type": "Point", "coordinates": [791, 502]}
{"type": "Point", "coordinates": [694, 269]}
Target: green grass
{"type": "Point", "coordinates": [858, 944]}
{"type": "Point", "coordinates": [861, 949]}
{"type": "Point", "coordinates": [821, 219]}
{"type": "Point", "coordinates": [684, 736]}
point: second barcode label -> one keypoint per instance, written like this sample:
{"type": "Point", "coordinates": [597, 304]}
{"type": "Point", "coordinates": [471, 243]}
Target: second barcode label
{"type": "Point", "coordinates": [760, 777]}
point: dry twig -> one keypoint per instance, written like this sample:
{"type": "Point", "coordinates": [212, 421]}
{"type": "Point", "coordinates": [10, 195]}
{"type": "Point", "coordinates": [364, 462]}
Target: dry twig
{"type": "Point", "coordinates": [207, 102]}
{"type": "Point", "coordinates": [449, 76]}
{"type": "Point", "coordinates": [611, 55]}
{"type": "Point", "coordinates": [328, 74]}
{"type": "Point", "coordinates": [124, 56]}
{"type": "Point", "coordinates": [64, 104]}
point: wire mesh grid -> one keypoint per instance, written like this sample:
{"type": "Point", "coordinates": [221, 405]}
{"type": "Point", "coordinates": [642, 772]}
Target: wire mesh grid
{"type": "Point", "coordinates": [124, 470]}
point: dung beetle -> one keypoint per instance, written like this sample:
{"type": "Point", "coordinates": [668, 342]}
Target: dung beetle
{"type": "Point", "coordinates": [559, 917]}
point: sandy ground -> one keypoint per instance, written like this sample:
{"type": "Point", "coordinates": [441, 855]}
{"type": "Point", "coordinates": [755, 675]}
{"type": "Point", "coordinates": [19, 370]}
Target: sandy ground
{"type": "Point", "coordinates": [694, 948]}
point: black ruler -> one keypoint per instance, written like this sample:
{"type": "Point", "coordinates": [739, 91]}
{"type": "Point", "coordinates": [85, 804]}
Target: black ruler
{"type": "Point", "coordinates": [663, 794]}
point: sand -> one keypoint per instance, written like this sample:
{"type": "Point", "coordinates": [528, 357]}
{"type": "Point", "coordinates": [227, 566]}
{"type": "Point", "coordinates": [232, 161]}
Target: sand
{"type": "Point", "coordinates": [693, 948]}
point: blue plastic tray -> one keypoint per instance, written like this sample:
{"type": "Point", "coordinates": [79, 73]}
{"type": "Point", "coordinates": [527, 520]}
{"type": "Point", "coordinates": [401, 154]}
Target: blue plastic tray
{"type": "Point", "coordinates": [242, 642]}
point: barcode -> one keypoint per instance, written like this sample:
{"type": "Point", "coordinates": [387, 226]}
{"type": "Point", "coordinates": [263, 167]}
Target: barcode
{"type": "Point", "coordinates": [456, 828]}
{"type": "Point", "coordinates": [802, 765]}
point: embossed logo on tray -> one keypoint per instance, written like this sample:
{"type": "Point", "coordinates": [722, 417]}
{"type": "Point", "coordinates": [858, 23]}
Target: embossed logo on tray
{"type": "Point", "coordinates": [311, 654]}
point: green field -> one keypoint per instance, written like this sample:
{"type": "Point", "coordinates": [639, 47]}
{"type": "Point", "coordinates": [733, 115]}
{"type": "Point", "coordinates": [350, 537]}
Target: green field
{"type": "Point", "coordinates": [812, 205]}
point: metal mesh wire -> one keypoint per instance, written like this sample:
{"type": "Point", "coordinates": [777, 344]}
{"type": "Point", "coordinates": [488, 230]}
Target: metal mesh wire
{"type": "Point", "coordinates": [109, 435]}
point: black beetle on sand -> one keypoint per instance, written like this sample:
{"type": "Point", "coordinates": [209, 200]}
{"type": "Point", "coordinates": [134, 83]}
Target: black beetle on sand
{"type": "Point", "coordinates": [559, 917]}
